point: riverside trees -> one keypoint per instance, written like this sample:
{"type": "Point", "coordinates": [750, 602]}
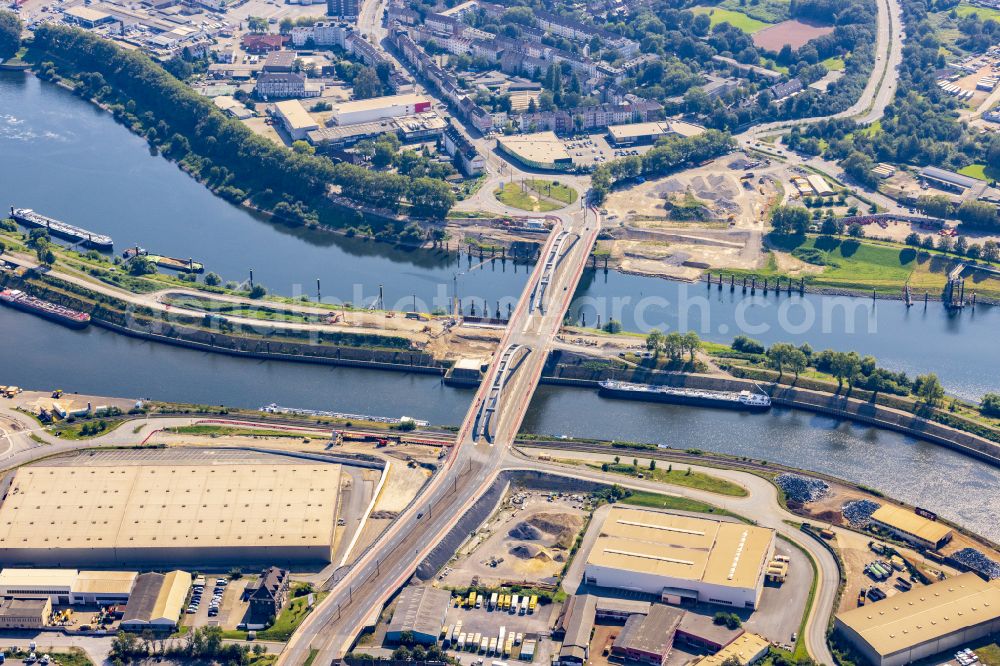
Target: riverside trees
{"type": "Point", "coordinates": [10, 34]}
{"type": "Point", "coordinates": [224, 153]}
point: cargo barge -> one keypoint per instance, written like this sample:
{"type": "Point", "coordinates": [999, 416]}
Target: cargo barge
{"type": "Point", "coordinates": [16, 298]}
{"type": "Point", "coordinates": [163, 261]}
{"type": "Point", "coordinates": [742, 400]}
{"type": "Point", "coordinates": [30, 218]}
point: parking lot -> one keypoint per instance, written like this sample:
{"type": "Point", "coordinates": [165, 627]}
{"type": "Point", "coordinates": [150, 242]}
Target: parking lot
{"type": "Point", "coordinates": [594, 150]}
{"type": "Point", "coordinates": [488, 623]}
{"type": "Point", "coordinates": [219, 602]}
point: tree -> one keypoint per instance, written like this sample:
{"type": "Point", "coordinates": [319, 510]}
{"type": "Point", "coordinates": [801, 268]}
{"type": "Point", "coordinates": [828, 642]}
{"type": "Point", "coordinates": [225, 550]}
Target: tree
{"type": "Point", "coordinates": [978, 214]}
{"type": "Point", "coordinates": [990, 405]}
{"type": "Point", "coordinates": [141, 265]}
{"type": "Point", "coordinates": [845, 365]}
{"type": "Point", "coordinates": [654, 341]}
{"type": "Point", "coordinates": [742, 343]}
{"type": "Point", "coordinates": [213, 279]}
{"type": "Point", "coordinates": [913, 239]}
{"type": "Point", "coordinates": [613, 326]}
{"type": "Point", "coordinates": [856, 231]}
{"type": "Point", "coordinates": [790, 220]}
{"type": "Point", "coordinates": [258, 291]}
{"type": "Point", "coordinates": [303, 147]}
{"type": "Point", "coordinates": [929, 389]}
{"type": "Point", "coordinates": [257, 24]}
{"type": "Point", "coordinates": [652, 465]}
{"type": "Point", "coordinates": [10, 34]}
{"type": "Point", "coordinates": [367, 84]}
{"type": "Point", "coordinates": [783, 355]}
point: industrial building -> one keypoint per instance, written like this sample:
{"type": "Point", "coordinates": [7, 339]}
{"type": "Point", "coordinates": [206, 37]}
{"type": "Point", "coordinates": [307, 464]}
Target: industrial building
{"type": "Point", "coordinates": [221, 514]}
{"type": "Point", "coordinates": [378, 108]}
{"type": "Point", "coordinates": [68, 586]}
{"type": "Point", "coordinates": [574, 629]}
{"type": "Point", "coordinates": [21, 613]}
{"type": "Point", "coordinates": [541, 150]}
{"type": "Point", "coordinates": [680, 558]}
{"type": "Point", "coordinates": [948, 180]}
{"type": "Point", "coordinates": [295, 119]}
{"type": "Point", "coordinates": [156, 602]}
{"type": "Point", "coordinates": [87, 17]}
{"type": "Point", "coordinates": [748, 649]}
{"type": "Point", "coordinates": [420, 610]}
{"type": "Point", "coordinates": [648, 638]}
{"type": "Point", "coordinates": [645, 133]}
{"type": "Point", "coordinates": [280, 61]}
{"type": "Point", "coordinates": [914, 625]}
{"type": "Point", "coordinates": [407, 128]}
{"type": "Point", "coordinates": [911, 527]}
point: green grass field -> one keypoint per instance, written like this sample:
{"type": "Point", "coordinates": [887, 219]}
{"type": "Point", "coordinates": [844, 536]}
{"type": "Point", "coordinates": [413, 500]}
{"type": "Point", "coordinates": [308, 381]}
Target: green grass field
{"type": "Point", "coordinates": [833, 64]}
{"type": "Point", "coordinates": [769, 11]}
{"type": "Point", "coordinates": [680, 477]}
{"type": "Point", "coordinates": [989, 655]}
{"type": "Point", "coordinates": [657, 501]}
{"type": "Point", "coordinates": [736, 19]}
{"type": "Point", "coordinates": [981, 172]}
{"type": "Point", "coordinates": [965, 9]}
{"type": "Point", "coordinates": [536, 195]}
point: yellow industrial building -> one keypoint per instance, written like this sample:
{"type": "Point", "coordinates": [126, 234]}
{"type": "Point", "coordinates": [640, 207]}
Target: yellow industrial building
{"type": "Point", "coordinates": [157, 514]}
{"type": "Point", "coordinates": [925, 621]}
{"type": "Point", "coordinates": [911, 527]}
{"type": "Point", "coordinates": [681, 558]}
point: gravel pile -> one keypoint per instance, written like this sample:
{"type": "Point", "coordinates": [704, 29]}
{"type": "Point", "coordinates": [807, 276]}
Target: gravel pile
{"type": "Point", "coordinates": [978, 562]}
{"type": "Point", "coordinates": [526, 532]}
{"type": "Point", "coordinates": [801, 488]}
{"type": "Point", "coordinates": [859, 512]}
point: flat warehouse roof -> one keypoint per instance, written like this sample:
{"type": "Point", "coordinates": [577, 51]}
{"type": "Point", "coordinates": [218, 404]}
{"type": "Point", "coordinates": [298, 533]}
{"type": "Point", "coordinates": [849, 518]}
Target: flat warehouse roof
{"type": "Point", "coordinates": [378, 103]}
{"type": "Point", "coordinates": [541, 147]}
{"type": "Point", "coordinates": [909, 522]}
{"type": "Point", "coordinates": [296, 114]}
{"type": "Point", "coordinates": [925, 613]}
{"type": "Point", "coordinates": [684, 547]}
{"type": "Point", "coordinates": [104, 582]}
{"type": "Point", "coordinates": [50, 578]}
{"type": "Point", "coordinates": [157, 506]}
{"type": "Point", "coordinates": [638, 129]}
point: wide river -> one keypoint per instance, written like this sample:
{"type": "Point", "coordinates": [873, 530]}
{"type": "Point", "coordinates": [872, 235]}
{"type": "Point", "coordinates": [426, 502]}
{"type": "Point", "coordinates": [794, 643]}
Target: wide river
{"type": "Point", "coordinates": [63, 157]}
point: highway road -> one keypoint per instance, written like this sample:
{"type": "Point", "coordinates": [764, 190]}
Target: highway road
{"type": "Point", "coordinates": [473, 462]}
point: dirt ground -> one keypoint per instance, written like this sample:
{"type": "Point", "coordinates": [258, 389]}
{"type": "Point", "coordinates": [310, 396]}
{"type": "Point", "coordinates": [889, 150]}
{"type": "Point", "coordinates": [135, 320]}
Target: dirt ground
{"type": "Point", "coordinates": [794, 33]}
{"type": "Point", "coordinates": [401, 486]}
{"type": "Point", "coordinates": [527, 540]}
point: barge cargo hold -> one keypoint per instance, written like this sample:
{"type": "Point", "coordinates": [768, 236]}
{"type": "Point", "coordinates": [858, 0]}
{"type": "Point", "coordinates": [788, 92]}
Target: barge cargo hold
{"type": "Point", "coordinates": [16, 298]}
{"type": "Point", "coordinates": [30, 218]}
{"type": "Point", "coordinates": [163, 261]}
{"type": "Point", "coordinates": [742, 400]}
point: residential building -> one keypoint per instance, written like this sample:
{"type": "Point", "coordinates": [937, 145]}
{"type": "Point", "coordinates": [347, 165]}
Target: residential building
{"type": "Point", "coordinates": [268, 594]}
{"type": "Point", "coordinates": [468, 159]}
{"type": "Point", "coordinates": [263, 43]}
{"type": "Point", "coordinates": [324, 33]}
{"type": "Point", "coordinates": [343, 9]}
{"type": "Point", "coordinates": [273, 85]}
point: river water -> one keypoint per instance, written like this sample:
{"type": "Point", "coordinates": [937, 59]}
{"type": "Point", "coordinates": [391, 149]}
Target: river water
{"type": "Point", "coordinates": [64, 158]}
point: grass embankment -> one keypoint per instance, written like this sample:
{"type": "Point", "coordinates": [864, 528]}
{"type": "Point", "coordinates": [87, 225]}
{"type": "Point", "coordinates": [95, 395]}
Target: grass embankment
{"type": "Point", "coordinates": [854, 265]}
{"type": "Point", "coordinates": [737, 19]}
{"type": "Point", "coordinates": [536, 195]}
{"type": "Point", "coordinates": [232, 431]}
{"type": "Point", "coordinates": [78, 430]}
{"type": "Point", "coordinates": [768, 11]}
{"type": "Point", "coordinates": [989, 655]}
{"type": "Point", "coordinates": [657, 501]}
{"type": "Point", "coordinates": [679, 477]}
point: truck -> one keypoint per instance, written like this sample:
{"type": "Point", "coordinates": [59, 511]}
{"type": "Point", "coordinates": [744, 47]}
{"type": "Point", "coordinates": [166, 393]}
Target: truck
{"type": "Point", "coordinates": [475, 641]}
{"type": "Point", "coordinates": [460, 645]}
{"type": "Point", "coordinates": [502, 638]}
{"type": "Point", "coordinates": [513, 604]}
{"type": "Point", "coordinates": [484, 644]}
{"type": "Point", "coordinates": [456, 632]}
{"type": "Point", "coordinates": [532, 603]}
{"type": "Point", "coordinates": [472, 599]}
{"type": "Point", "coordinates": [493, 646]}
{"type": "Point", "coordinates": [523, 608]}
{"type": "Point", "coordinates": [827, 534]}
{"type": "Point", "coordinates": [493, 600]}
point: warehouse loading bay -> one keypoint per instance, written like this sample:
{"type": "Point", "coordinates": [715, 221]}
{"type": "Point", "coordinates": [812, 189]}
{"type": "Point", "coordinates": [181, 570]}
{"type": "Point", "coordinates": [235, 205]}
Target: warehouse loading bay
{"type": "Point", "coordinates": [536, 546]}
{"type": "Point", "coordinates": [150, 490]}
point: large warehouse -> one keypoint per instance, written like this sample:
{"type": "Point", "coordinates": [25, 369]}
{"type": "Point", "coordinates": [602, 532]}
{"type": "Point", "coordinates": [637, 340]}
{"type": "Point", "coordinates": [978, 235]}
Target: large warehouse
{"type": "Point", "coordinates": [377, 108]}
{"type": "Point", "coordinates": [541, 150]}
{"type": "Point", "coordinates": [924, 621]}
{"type": "Point", "coordinates": [681, 558]}
{"type": "Point", "coordinates": [221, 514]}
